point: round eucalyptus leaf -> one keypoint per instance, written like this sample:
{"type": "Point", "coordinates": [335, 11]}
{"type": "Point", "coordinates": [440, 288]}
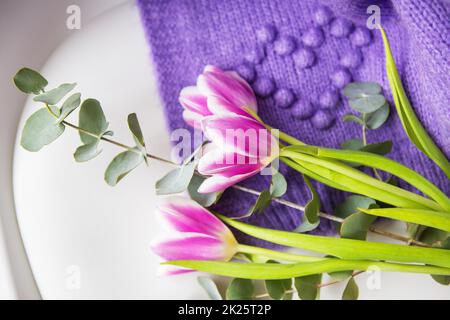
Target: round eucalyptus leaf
{"type": "Point", "coordinates": [204, 199]}
{"type": "Point", "coordinates": [278, 185]}
{"type": "Point", "coordinates": [121, 165]}
{"type": "Point", "coordinates": [69, 106]}
{"type": "Point", "coordinates": [240, 289]}
{"type": "Point", "coordinates": [376, 119]}
{"type": "Point", "coordinates": [29, 81]}
{"type": "Point", "coordinates": [53, 96]}
{"type": "Point", "coordinates": [262, 203]}
{"type": "Point", "coordinates": [353, 118]}
{"type": "Point", "coordinates": [356, 226]}
{"type": "Point", "coordinates": [210, 287]}
{"type": "Point", "coordinates": [367, 103]}
{"type": "Point", "coordinates": [307, 286]}
{"type": "Point", "coordinates": [352, 144]}
{"type": "Point", "coordinates": [87, 152]}
{"type": "Point", "coordinates": [277, 288]}
{"type": "Point", "coordinates": [381, 148]}
{"type": "Point", "coordinates": [351, 205]}
{"type": "Point", "coordinates": [312, 208]}
{"type": "Point", "coordinates": [40, 130]}
{"type": "Point", "coordinates": [359, 89]}
{"type": "Point", "coordinates": [351, 291]}
{"type": "Point", "coordinates": [135, 128]}
{"type": "Point", "coordinates": [91, 119]}
{"type": "Point", "coordinates": [305, 226]}
{"type": "Point", "coordinates": [177, 180]}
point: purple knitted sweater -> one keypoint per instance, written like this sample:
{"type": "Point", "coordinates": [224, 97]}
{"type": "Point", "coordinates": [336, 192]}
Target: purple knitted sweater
{"type": "Point", "coordinates": [297, 56]}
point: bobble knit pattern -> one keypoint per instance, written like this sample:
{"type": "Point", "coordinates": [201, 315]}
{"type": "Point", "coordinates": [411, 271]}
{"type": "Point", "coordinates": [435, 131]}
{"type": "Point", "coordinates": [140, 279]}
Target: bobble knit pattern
{"type": "Point", "coordinates": [297, 56]}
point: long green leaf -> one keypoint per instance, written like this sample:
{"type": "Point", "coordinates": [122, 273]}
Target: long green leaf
{"type": "Point", "coordinates": [385, 164]}
{"type": "Point", "coordinates": [409, 120]}
{"type": "Point", "coordinates": [435, 219]}
{"type": "Point", "coordinates": [362, 183]}
{"type": "Point", "coordinates": [271, 271]}
{"type": "Point", "coordinates": [347, 248]}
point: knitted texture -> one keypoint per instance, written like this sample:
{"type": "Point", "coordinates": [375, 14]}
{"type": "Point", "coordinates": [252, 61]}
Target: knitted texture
{"type": "Point", "coordinates": [297, 56]}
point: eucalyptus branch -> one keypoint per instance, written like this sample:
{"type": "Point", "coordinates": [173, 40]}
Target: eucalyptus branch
{"type": "Point", "coordinates": [252, 191]}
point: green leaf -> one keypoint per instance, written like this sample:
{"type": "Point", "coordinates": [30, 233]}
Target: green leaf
{"type": "Point", "coordinates": [312, 208]}
{"type": "Point", "coordinates": [353, 144]}
{"type": "Point", "coordinates": [360, 89]}
{"type": "Point", "coordinates": [305, 226]}
{"type": "Point", "coordinates": [411, 124]}
{"type": "Point", "coordinates": [121, 165]}
{"type": "Point", "coordinates": [135, 128]}
{"type": "Point", "coordinates": [69, 106]}
{"type": "Point", "coordinates": [177, 180]}
{"type": "Point", "coordinates": [353, 118]}
{"type": "Point", "coordinates": [40, 130]}
{"type": "Point", "coordinates": [444, 280]}
{"type": "Point", "coordinates": [87, 152]}
{"type": "Point", "coordinates": [29, 81]}
{"type": "Point", "coordinates": [381, 148]}
{"type": "Point", "coordinates": [53, 96]}
{"type": "Point", "coordinates": [356, 226]}
{"type": "Point", "coordinates": [351, 291]}
{"type": "Point", "coordinates": [240, 289]}
{"type": "Point", "coordinates": [204, 199]}
{"type": "Point", "coordinates": [341, 275]}
{"type": "Point", "coordinates": [385, 164]}
{"type": "Point", "coordinates": [307, 286]}
{"type": "Point", "coordinates": [278, 185]}
{"type": "Point", "coordinates": [92, 119]}
{"type": "Point", "coordinates": [376, 119]}
{"type": "Point", "coordinates": [345, 248]}
{"type": "Point", "coordinates": [352, 204]}
{"type": "Point", "coordinates": [277, 288]}
{"type": "Point", "coordinates": [430, 218]}
{"type": "Point", "coordinates": [210, 287]}
{"type": "Point", "coordinates": [263, 201]}
{"type": "Point", "coordinates": [273, 271]}
{"type": "Point", "coordinates": [367, 104]}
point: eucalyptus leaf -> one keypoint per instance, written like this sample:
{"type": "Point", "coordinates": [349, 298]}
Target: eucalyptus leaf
{"type": "Point", "coordinates": [92, 119]}
{"type": "Point", "coordinates": [356, 226]}
{"type": "Point", "coordinates": [381, 148]}
{"type": "Point", "coordinates": [341, 275]}
{"type": "Point", "coordinates": [53, 96]}
{"type": "Point", "coordinates": [277, 289]}
{"type": "Point", "coordinates": [353, 118]}
{"type": "Point", "coordinates": [176, 180]}
{"type": "Point", "coordinates": [305, 226]}
{"type": "Point", "coordinates": [204, 199]}
{"type": "Point", "coordinates": [352, 144]}
{"type": "Point", "coordinates": [360, 89]}
{"type": "Point", "coordinates": [312, 208]}
{"type": "Point", "coordinates": [351, 291]}
{"type": "Point", "coordinates": [262, 202]}
{"type": "Point", "coordinates": [351, 204]}
{"type": "Point", "coordinates": [40, 130]}
{"type": "Point", "coordinates": [240, 289]}
{"type": "Point", "coordinates": [367, 104]}
{"type": "Point", "coordinates": [29, 81]}
{"type": "Point", "coordinates": [87, 152]}
{"type": "Point", "coordinates": [135, 128]}
{"type": "Point", "coordinates": [121, 165]}
{"type": "Point", "coordinates": [308, 286]}
{"type": "Point", "coordinates": [69, 106]}
{"type": "Point", "coordinates": [210, 287]}
{"type": "Point", "coordinates": [278, 185]}
{"type": "Point", "coordinates": [377, 118]}
{"type": "Point", "coordinates": [444, 280]}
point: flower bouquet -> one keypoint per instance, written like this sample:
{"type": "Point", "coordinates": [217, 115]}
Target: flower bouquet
{"type": "Point", "coordinates": [238, 144]}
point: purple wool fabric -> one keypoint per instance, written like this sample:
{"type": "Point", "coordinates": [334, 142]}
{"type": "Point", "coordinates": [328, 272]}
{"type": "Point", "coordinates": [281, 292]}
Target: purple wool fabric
{"type": "Point", "coordinates": [297, 56]}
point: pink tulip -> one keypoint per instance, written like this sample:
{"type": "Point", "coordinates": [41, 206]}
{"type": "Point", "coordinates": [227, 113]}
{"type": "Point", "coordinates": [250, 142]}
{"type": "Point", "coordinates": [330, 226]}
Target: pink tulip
{"type": "Point", "coordinates": [199, 235]}
{"type": "Point", "coordinates": [217, 93]}
{"type": "Point", "coordinates": [241, 147]}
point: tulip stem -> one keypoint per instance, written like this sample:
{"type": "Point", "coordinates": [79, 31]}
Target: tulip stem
{"type": "Point", "coordinates": [282, 256]}
{"type": "Point", "coordinates": [248, 190]}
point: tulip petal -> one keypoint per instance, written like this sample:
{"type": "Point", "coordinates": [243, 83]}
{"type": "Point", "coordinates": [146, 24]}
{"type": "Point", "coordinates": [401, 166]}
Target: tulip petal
{"type": "Point", "coordinates": [191, 99]}
{"type": "Point", "coordinates": [167, 270]}
{"type": "Point", "coordinates": [193, 246]}
{"type": "Point", "coordinates": [227, 164]}
{"type": "Point", "coordinates": [219, 182]}
{"type": "Point", "coordinates": [214, 82]}
{"type": "Point", "coordinates": [192, 118]}
{"type": "Point", "coordinates": [221, 106]}
{"type": "Point", "coordinates": [240, 134]}
{"type": "Point", "coordinates": [185, 215]}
